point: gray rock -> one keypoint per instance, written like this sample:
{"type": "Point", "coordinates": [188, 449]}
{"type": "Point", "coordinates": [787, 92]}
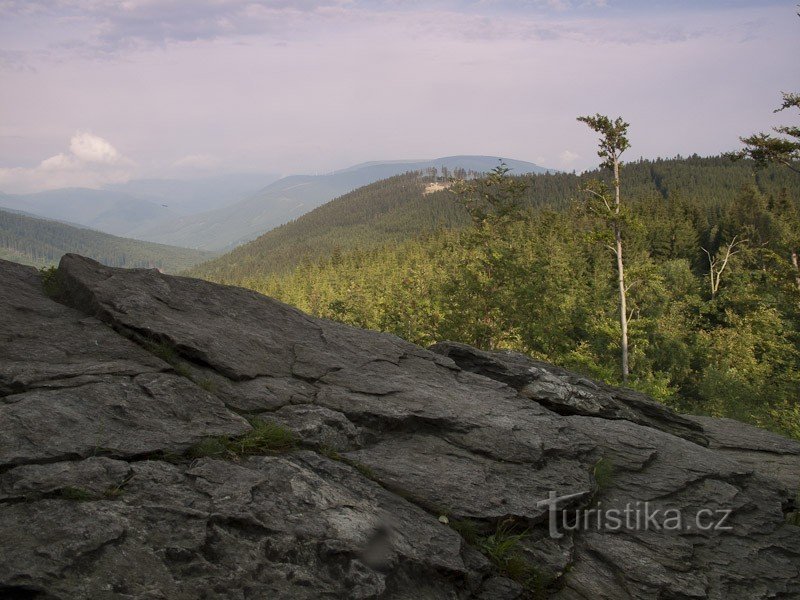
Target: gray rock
{"type": "Point", "coordinates": [73, 388]}
{"type": "Point", "coordinates": [320, 427]}
{"type": "Point", "coordinates": [759, 449]}
{"type": "Point", "coordinates": [568, 393]}
{"type": "Point", "coordinates": [87, 510]}
{"type": "Point", "coordinates": [298, 526]}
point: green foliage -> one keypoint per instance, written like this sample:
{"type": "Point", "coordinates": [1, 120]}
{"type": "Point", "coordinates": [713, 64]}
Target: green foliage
{"type": "Point", "coordinates": [169, 354]}
{"type": "Point", "coordinates": [613, 137]}
{"type": "Point", "coordinates": [112, 492]}
{"type": "Point", "coordinates": [42, 243]}
{"type": "Point", "coordinates": [265, 437]}
{"type": "Point", "coordinates": [467, 529]}
{"type": "Point", "coordinates": [182, 370]}
{"type": "Point", "coordinates": [365, 470]}
{"type": "Point", "coordinates": [504, 548]}
{"type": "Point", "coordinates": [491, 199]}
{"type": "Point", "coordinates": [534, 282]}
{"type": "Point", "coordinates": [215, 447]}
{"type": "Point", "coordinates": [50, 283]}
{"type": "Point", "coordinates": [398, 209]}
{"type": "Point", "coordinates": [767, 148]}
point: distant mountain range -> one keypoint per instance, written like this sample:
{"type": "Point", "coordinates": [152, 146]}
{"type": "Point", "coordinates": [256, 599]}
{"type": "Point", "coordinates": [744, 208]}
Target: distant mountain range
{"type": "Point", "coordinates": [393, 210]}
{"type": "Point", "coordinates": [40, 242]}
{"type": "Point", "coordinates": [188, 197]}
{"type": "Point", "coordinates": [108, 211]}
{"type": "Point", "coordinates": [221, 213]}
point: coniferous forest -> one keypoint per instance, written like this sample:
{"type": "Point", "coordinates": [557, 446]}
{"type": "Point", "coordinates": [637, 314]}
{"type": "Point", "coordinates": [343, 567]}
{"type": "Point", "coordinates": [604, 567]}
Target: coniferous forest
{"type": "Point", "coordinates": [523, 263]}
{"type": "Point", "coordinates": [42, 243]}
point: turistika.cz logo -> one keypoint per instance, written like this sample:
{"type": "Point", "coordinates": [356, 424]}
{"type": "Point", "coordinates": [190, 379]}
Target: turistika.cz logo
{"type": "Point", "coordinates": [634, 516]}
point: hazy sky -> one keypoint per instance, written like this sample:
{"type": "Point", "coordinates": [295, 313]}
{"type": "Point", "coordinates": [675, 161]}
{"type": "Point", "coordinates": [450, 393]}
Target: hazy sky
{"type": "Point", "coordinates": [94, 91]}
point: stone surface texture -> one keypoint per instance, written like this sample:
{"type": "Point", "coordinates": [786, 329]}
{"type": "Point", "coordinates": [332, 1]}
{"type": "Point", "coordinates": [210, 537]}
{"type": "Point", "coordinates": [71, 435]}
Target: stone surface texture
{"type": "Point", "coordinates": [108, 391]}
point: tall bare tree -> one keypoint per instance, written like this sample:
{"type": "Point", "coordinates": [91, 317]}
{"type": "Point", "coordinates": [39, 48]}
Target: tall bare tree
{"type": "Point", "coordinates": [718, 263]}
{"type": "Point", "coordinates": [613, 142]}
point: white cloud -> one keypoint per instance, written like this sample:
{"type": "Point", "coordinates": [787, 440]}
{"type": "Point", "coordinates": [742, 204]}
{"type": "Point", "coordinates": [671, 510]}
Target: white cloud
{"type": "Point", "coordinates": [567, 158]}
{"type": "Point", "coordinates": [198, 162]}
{"type": "Point", "coordinates": [267, 86]}
{"type": "Point", "coordinates": [93, 149]}
{"type": "Point", "coordinates": [91, 162]}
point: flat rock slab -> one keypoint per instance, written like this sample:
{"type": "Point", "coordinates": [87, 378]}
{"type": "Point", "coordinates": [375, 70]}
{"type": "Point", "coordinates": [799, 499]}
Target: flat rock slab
{"type": "Point", "coordinates": [570, 393]}
{"type": "Point", "coordinates": [298, 526]}
{"type": "Point", "coordinates": [394, 442]}
{"type": "Point", "coordinates": [74, 388]}
{"type": "Point", "coordinates": [761, 450]}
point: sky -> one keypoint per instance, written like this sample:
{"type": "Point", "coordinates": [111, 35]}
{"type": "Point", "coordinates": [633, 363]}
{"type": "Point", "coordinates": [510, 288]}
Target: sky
{"type": "Point", "coordinates": [94, 92]}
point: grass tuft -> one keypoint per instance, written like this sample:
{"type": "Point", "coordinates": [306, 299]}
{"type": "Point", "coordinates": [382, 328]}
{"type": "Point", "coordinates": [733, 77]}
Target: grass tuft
{"type": "Point", "coordinates": [504, 549]}
{"type": "Point", "coordinates": [265, 438]}
{"type": "Point", "coordinates": [467, 529]}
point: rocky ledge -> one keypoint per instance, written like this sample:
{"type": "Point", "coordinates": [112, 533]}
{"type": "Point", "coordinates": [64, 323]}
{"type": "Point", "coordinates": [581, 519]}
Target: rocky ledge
{"type": "Point", "coordinates": [164, 437]}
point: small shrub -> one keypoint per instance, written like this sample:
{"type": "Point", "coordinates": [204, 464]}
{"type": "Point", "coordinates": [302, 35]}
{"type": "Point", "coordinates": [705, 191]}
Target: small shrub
{"type": "Point", "coordinates": [169, 355]}
{"type": "Point", "coordinates": [501, 545]}
{"type": "Point", "coordinates": [50, 283]}
{"type": "Point", "coordinates": [365, 470]}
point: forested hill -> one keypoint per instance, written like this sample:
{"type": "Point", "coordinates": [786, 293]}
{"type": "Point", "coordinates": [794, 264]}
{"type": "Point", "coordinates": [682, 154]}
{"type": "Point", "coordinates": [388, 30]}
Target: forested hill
{"type": "Point", "coordinates": [713, 284]}
{"type": "Point", "coordinates": [40, 242]}
{"type": "Point", "coordinates": [398, 208]}
{"type": "Point", "coordinates": [393, 209]}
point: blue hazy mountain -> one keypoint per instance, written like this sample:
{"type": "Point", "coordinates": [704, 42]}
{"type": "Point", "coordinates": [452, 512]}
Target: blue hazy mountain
{"type": "Point", "coordinates": [292, 197]}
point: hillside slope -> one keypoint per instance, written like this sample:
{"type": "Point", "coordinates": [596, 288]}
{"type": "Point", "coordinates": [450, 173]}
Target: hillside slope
{"type": "Point", "coordinates": [110, 211]}
{"type": "Point", "coordinates": [191, 196]}
{"type": "Point", "coordinates": [398, 208]}
{"type": "Point", "coordinates": [291, 197]}
{"type": "Point", "coordinates": [390, 210]}
{"type": "Point", "coordinates": [40, 242]}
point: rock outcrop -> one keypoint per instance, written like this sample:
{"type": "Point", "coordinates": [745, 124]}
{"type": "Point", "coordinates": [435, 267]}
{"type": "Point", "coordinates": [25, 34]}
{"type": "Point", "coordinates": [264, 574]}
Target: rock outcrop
{"type": "Point", "coordinates": [128, 466]}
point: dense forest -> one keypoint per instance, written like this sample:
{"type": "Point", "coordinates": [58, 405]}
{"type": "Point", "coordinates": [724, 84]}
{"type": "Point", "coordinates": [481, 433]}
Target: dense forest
{"type": "Point", "coordinates": [40, 243]}
{"type": "Point", "coordinates": [713, 296]}
{"type": "Point", "coordinates": [398, 208]}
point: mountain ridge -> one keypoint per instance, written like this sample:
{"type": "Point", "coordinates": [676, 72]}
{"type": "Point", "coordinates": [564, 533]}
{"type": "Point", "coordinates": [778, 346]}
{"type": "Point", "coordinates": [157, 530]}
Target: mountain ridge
{"type": "Point", "coordinates": [396, 209]}
{"type": "Point", "coordinates": [42, 242]}
{"type": "Point", "coordinates": [235, 209]}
